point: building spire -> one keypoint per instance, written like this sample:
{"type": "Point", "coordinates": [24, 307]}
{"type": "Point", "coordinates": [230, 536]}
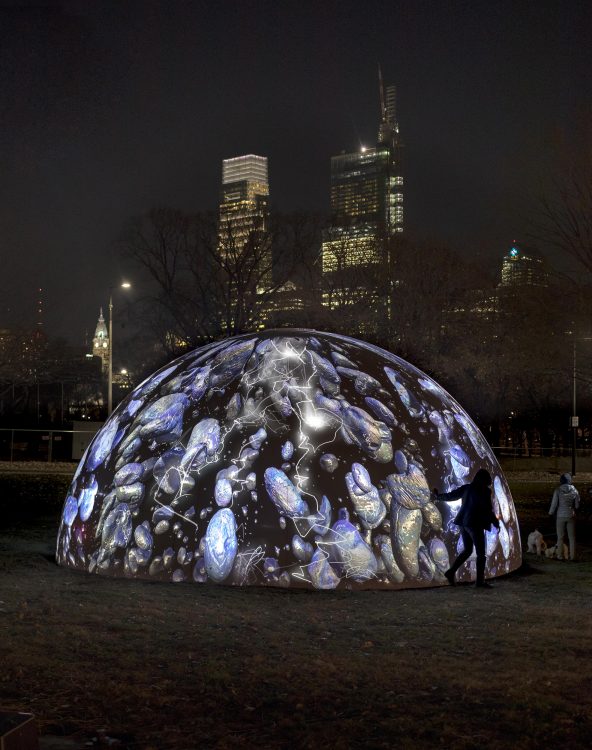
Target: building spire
{"type": "Point", "coordinates": [101, 343]}
{"type": "Point", "coordinates": [39, 308]}
{"type": "Point", "coordinates": [388, 129]}
{"type": "Point", "coordinates": [381, 94]}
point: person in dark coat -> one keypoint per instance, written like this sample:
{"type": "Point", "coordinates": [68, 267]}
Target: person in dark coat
{"type": "Point", "coordinates": [474, 518]}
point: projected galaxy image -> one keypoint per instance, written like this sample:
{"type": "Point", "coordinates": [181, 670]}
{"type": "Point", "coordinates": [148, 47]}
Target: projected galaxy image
{"type": "Point", "coordinates": [286, 458]}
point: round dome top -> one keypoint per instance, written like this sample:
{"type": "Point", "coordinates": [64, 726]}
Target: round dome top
{"type": "Point", "coordinates": [289, 457]}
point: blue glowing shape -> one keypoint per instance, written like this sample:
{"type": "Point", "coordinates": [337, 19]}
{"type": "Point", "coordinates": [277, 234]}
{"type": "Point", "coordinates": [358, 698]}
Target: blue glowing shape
{"type": "Point", "coordinates": [283, 493]}
{"type": "Point", "coordinates": [70, 510]}
{"type": "Point", "coordinates": [361, 477]}
{"type": "Point", "coordinates": [220, 545]}
{"type": "Point", "coordinates": [385, 547]}
{"type": "Point", "coordinates": [86, 501]}
{"type": "Point", "coordinates": [128, 474]}
{"type": "Point", "coordinates": [411, 490]}
{"type": "Point", "coordinates": [203, 443]}
{"type": "Point", "coordinates": [329, 462]}
{"type": "Point", "coordinates": [229, 363]}
{"type": "Point", "coordinates": [361, 429]}
{"type": "Point", "coordinates": [321, 520]}
{"type": "Point", "coordinates": [101, 446]}
{"type": "Point", "coordinates": [117, 530]}
{"type": "Point", "coordinates": [502, 499]}
{"type": "Point", "coordinates": [405, 537]}
{"type": "Point", "coordinates": [143, 537]}
{"type": "Point", "coordinates": [439, 554]}
{"type": "Point", "coordinates": [367, 503]}
{"type": "Point", "coordinates": [302, 550]}
{"type": "Point", "coordinates": [322, 575]}
{"type": "Point", "coordinates": [199, 383]}
{"type": "Point", "coordinates": [223, 492]}
{"type": "Point", "coordinates": [287, 450]}
{"type": "Point", "coordinates": [381, 411]}
{"type": "Point", "coordinates": [352, 555]}
{"type": "Point", "coordinates": [257, 440]}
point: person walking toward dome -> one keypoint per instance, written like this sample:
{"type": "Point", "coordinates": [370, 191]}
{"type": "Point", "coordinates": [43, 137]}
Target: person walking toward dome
{"type": "Point", "coordinates": [565, 502]}
{"type": "Point", "coordinates": [474, 518]}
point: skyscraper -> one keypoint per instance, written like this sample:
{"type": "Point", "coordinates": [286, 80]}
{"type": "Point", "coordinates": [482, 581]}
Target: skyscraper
{"type": "Point", "coordinates": [244, 245]}
{"type": "Point", "coordinates": [244, 200]}
{"type": "Point", "coordinates": [523, 267]}
{"type": "Point", "coordinates": [366, 208]}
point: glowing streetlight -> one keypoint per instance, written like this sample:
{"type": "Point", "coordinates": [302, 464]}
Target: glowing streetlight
{"type": "Point", "coordinates": [123, 285]}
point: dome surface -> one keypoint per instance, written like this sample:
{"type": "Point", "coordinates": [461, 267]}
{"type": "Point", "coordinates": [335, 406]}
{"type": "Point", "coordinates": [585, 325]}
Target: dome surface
{"type": "Point", "coordinates": [287, 458]}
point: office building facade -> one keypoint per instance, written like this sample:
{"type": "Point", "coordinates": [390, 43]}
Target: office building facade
{"type": "Point", "coordinates": [244, 201]}
{"type": "Point", "coordinates": [367, 209]}
{"type": "Point", "coordinates": [523, 267]}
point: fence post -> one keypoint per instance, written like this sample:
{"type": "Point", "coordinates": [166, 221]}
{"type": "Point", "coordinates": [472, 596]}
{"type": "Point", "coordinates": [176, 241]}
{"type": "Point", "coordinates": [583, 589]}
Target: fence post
{"type": "Point", "coordinates": [11, 444]}
{"type": "Point", "coordinates": [49, 447]}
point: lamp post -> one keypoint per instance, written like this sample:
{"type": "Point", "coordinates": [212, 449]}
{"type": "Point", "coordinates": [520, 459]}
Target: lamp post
{"type": "Point", "coordinates": [574, 418]}
{"type": "Point", "coordinates": [124, 285]}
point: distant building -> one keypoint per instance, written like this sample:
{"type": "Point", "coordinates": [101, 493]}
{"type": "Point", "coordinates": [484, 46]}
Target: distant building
{"type": "Point", "coordinates": [366, 207]}
{"type": "Point", "coordinates": [523, 267]}
{"type": "Point", "coordinates": [244, 201]}
{"type": "Point", "coordinates": [243, 242]}
{"type": "Point", "coordinates": [101, 346]}
{"type": "Point", "coordinates": [288, 305]}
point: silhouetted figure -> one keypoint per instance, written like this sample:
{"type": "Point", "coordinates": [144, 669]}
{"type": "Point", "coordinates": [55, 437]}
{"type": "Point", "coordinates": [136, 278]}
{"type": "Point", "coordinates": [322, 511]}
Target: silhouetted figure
{"type": "Point", "coordinates": [566, 500]}
{"type": "Point", "coordinates": [474, 518]}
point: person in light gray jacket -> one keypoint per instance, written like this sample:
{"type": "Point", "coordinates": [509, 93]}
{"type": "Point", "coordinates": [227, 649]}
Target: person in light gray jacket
{"type": "Point", "coordinates": [566, 500]}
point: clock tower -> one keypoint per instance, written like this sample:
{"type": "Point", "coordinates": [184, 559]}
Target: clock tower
{"type": "Point", "coordinates": [101, 343]}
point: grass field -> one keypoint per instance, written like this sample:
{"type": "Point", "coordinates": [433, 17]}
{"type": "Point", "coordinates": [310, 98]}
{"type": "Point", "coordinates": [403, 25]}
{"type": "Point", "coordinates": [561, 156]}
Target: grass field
{"type": "Point", "coordinates": [128, 664]}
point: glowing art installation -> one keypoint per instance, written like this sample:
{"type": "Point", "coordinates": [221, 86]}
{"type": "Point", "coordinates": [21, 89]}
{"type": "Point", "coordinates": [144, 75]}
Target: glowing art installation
{"type": "Point", "coordinates": [286, 458]}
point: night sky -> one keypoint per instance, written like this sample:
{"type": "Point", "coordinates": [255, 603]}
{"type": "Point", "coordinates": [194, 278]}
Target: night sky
{"type": "Point", "coordinates": [110, 108]}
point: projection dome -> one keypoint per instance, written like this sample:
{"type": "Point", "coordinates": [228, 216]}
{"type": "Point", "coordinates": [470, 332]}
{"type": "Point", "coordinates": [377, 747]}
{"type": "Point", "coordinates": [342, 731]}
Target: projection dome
{"type": "Point", "coordinates": [287, 458]}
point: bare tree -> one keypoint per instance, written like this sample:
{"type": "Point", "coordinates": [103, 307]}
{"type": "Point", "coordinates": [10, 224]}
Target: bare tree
{"type": "Point", "coordinates": [563, 218]}
{"type": "Point", "coordinates": [208, 277]}
{"type": "Point", "coordinates": [565, 215]}
{"type": "Point", "coordinates": [351, 275]}
{"type": "Point", "coordinates": [164, 244]}
{"type": "Point", "coordinates": [431, 284]}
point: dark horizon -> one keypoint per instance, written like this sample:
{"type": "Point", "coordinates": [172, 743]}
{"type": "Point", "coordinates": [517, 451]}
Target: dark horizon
{"type": "Point", "coordinates": [113, 108]}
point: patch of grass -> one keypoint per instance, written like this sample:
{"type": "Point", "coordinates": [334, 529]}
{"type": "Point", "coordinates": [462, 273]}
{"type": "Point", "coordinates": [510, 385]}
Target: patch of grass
{"type": "Point", "coordinates": [160, 666]}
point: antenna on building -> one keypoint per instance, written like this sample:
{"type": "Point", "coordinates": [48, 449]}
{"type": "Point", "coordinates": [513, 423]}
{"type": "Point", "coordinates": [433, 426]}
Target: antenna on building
{"type": "Point", "coordinates": [383, 116]}
{"type": "Point", "coordinates": [39, 308]}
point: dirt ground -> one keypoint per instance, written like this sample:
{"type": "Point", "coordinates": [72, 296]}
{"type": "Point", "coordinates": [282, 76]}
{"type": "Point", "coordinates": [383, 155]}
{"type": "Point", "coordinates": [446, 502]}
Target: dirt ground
{"type": "Point", "coordinates": [131, 664]}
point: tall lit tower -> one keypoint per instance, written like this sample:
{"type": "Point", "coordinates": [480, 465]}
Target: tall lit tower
{"type": "Point", "coordinates": [244, 200]}
{"type": "Point", "coordinates": [244, 245]}
{"type": "Point", "coordinates": [523, 267]}
{"type": "Point", "coordinates": [366, 199]}
{"type": "Point", "coordinates": [101, 342]}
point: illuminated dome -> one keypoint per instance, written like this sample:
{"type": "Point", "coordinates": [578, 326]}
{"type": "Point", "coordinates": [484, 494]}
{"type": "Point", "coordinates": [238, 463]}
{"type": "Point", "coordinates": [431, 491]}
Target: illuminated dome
{"type": "Point", "coordinates": [287, 458]}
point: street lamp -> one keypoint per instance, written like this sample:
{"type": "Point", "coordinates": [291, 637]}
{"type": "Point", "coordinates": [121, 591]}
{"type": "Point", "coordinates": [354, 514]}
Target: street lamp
{"type": "Point", "coordinates": [123, 285]}
{"type": "Point", "coordinates": [574, 421]}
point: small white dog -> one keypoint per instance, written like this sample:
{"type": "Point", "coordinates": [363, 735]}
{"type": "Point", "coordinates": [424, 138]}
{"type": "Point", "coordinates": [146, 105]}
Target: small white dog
{"type": "Point", "coordinates": [536, 543]}
{"type": "Point", "coordinates": [552, 552]}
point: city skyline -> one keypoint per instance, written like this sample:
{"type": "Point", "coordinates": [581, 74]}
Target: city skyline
{"type": "Point", "coordinates": [110, 110]}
